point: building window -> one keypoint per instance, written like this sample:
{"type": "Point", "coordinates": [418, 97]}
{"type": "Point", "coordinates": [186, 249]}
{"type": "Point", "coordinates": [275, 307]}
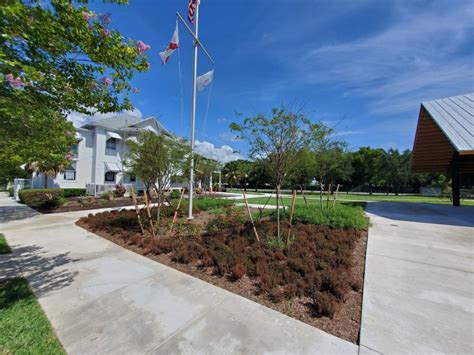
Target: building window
{"type": "Point", "coordinates": [75, 150]}
{"type": "Point", "coordinates": [110, 176]}
{"type": "Point", "coordinates": [132, 178]}
{"type": "Point", "coordinates": [70, 172]}
{"type": "Point", "coordinates": [111, 143]}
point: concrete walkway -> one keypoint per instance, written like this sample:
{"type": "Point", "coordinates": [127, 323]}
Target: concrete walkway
{"type": "Point", "coordinates": [419, 284]}
{"type": "Point", "coordinates": [103, 299]}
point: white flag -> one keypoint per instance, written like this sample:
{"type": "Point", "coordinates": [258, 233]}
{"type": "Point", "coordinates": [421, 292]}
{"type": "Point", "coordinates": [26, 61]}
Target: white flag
{"type": "Point", "coordinates": [174, 44]}
{"type": "Point", "coordinates": [204, 80]}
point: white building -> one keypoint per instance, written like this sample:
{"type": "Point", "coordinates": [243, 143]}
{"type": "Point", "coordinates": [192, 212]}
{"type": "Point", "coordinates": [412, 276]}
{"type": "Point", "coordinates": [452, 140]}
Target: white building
{"type": "Point", "coordinates": [99, 153]}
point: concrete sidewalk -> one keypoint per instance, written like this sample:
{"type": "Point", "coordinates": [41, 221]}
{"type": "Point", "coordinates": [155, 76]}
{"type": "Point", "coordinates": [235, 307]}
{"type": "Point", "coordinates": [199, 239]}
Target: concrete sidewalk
{"type": "Point", "coordinates": [418, 289]}
{"type": "Point", "coordinates": [103, 299]}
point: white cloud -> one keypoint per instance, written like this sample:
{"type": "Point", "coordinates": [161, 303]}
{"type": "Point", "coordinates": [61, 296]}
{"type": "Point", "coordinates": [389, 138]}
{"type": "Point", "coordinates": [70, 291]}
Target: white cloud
{"type": "Point", "coordinates": [227, 136]}
{"type": "Point", "coordinates": [422, 55]}
{"type": "Point", "coordinates": [80, 119]}
{"type": "Point", "coordinates": [224, 154]}
{"type": "Point", "coordinates": [221, 120]}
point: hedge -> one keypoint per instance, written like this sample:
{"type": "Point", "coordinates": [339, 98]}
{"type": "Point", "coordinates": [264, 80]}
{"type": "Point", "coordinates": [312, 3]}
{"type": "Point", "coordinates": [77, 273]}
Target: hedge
{"type": "Point", "coordinates": [11, 192]}
{"type": "Point", "coordinates": [43, 199]}
{"type": "Point", "coordinates": [76, 192]}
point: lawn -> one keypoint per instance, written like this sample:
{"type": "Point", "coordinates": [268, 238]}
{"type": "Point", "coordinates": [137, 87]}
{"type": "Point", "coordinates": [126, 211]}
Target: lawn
{"type": "Point", "coordinates": [24, 327]}
{"type": "Point", "coordinates": [314, 200]}
{"type": "Point", "coordinates": [4, 248]}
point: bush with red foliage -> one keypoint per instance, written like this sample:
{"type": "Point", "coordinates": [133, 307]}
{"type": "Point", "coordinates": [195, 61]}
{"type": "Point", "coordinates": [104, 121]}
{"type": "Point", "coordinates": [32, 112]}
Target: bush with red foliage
{"type": "Point", "coordinates": [316, 265]}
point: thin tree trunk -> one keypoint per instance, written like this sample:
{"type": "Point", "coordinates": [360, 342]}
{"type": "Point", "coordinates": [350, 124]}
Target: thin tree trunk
{"type": "Point", "coordinates": [137, 210]}
{"type": "Point", "coordinates": [278, 212]}
{"type": "Point", "coordinates": [251, 218]}
{"type": "Point", "coordinates": [45, 181]}
{"type": "Point", "coordinates": [329, 193]}
{"type": "Point", "coordinates": [321, 192]}
{"type": "Point", "coordinates": [292, 209]}
{"type": "Point", "coordinates": [335, 196]}
{"type": "Point", "coordinates": [304, 196]}
{"type": "Point", "coordinates": [177, 208]}
{"type": "Point", "coordinates": [148, 211]}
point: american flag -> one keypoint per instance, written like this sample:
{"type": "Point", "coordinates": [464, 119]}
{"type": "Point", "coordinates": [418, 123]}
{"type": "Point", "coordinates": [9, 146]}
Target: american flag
{"type": "Point", "coordinates": [192, 5]}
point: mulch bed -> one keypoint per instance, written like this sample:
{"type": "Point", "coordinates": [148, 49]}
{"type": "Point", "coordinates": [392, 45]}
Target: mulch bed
{"type": "Point", "coordinates": [317, 279]}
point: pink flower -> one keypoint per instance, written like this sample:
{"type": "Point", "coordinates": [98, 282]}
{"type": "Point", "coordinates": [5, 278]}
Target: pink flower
{"type": "Point", "coordinates": [15, 82]}
{"type": "Point", "coordinates": [105, 33]}
{"type": "Point", "coordinates": [87, 15]}
{"type": "Point", "coordinates": [68, 156]}
{"type": "Point", "coordinates": [142, 47]}
{"type": "Point", "coordinates": [106, 81]}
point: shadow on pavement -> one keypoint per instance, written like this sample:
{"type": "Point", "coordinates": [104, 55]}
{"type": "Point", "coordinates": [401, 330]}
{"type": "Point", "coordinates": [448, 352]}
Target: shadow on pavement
{"type": "Point", "coordinates": [41, 270]}
{"type": "Point", "coordinates": [15, 213]}
{"type": "Point", "coordinates": [462, 216]}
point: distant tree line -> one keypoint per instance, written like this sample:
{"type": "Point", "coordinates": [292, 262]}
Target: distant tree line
{"type": "Point", "coordinates": [364, 170]}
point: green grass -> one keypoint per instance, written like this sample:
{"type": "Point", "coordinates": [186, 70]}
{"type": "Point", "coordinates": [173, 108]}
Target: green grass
{"type": "Point", "coordinates": [4, 248]}
{"type": "Point", "coordinates": [24, 328]}
{"type": "Point", "coordinates": [206, 204]}
{"type": "Point", "coordinates": [314, 200]}
{"type": "Point", "coordinates": [339, 216]}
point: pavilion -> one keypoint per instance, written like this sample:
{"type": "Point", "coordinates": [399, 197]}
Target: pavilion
{"type": "Point", "coordinates": [444, 141]}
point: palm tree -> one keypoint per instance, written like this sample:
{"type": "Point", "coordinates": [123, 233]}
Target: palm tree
{"type": "Point", "coordinates": [47, 169]}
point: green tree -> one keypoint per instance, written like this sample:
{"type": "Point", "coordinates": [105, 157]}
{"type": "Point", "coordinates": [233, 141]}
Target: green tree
{"type": "Point", "coordinates": [277, 139]}
{"type": "Point", "coordinates": [396, 168]}
{"type": "Point", "coordinates": [58, 57]}
{"type": "Point", "coordinates": [155, 159]}
{"type": "Point", "coordinates": [237, 172]}
{"type": "Point", "coordinates": [367, 166]}
{"type": "Point", "coordinates": [259, 173]}
{"type": "Point", "coordinates": [204, 167]}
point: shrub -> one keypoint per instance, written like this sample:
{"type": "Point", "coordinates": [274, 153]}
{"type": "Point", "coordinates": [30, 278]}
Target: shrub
{"type": "Point", "coordinates": [120, 190]}
{"type": "Point", "coordinates": [339, 216]}
{"type": "Point", "coordinates": [42, 199]}
{"type": "Point", "coordinates": [175, 194]}
{"type": "Point", "coordinates": [324, 304]}
{"type": "Point", "coordinates": [76, 192]}
{"type": "Point", "coordinates": [105, 195]}
{"type": "Point", "coordinates": [11, 192]}
{"type": "Point", "coordinates": [238, 271]}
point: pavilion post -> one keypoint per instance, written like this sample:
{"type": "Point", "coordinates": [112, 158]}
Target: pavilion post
{"type": "Point", "coordinates": [456, 180]}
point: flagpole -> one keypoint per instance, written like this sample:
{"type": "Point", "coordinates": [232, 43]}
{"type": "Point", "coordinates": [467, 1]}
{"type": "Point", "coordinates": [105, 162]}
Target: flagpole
{"type": "Point", "coordinates": [193, 114]}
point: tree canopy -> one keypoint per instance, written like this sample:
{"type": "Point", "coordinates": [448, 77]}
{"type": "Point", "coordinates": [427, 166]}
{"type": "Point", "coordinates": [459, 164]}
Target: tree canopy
{"type": "Point", "coordinates": [58, 56]}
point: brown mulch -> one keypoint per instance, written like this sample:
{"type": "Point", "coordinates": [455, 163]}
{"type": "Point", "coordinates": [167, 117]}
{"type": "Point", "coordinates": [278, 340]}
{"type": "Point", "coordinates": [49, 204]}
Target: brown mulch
{"type": "Point", "coordinates": [344, 323]}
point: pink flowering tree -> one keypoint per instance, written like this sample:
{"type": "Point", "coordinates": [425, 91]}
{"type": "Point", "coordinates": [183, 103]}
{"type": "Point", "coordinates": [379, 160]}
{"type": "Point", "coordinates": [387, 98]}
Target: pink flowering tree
{"type": "Point", "coordinates": [59, 56]}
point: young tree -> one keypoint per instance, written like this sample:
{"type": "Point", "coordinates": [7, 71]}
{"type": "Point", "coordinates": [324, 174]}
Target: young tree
{"type": "Point", "coordinates": [155, 159]}
{"type": "Point", "coordinates": [57, 57]}
{"type": "Point", "coordinates": [277, 139]}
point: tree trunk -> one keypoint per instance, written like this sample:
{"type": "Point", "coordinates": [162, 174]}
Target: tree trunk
{"type": "Point", "coordinates": [278, 212]}
{"type": "Point", "coordinates": [321, 192]}
{"type": "Point", "coordinates": [45, 181]}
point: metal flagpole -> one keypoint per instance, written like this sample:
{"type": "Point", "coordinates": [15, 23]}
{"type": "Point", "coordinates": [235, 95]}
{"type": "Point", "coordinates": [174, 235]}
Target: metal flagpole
{"type": "Point", "coordinates": [193, 115]}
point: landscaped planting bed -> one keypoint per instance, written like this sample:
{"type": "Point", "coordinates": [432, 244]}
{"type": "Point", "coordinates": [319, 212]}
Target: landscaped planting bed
{"type": "Point", "coordinates": [317, 277]}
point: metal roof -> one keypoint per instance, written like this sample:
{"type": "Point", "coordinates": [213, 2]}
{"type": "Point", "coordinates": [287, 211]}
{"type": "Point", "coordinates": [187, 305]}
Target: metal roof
{"type": "Point", "coordinates": [455, 117]}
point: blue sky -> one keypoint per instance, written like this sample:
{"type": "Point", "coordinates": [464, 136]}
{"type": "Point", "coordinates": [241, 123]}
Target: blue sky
{"type": "Point", "coordinates": [361, 66]}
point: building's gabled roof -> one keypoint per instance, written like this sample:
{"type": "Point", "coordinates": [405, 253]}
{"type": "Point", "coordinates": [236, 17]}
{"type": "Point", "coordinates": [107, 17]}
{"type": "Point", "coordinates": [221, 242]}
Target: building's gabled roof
{"type": "Point", "coordinates": [455, 117]}
{"type": "Point", "coordinates": [117, 122]}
